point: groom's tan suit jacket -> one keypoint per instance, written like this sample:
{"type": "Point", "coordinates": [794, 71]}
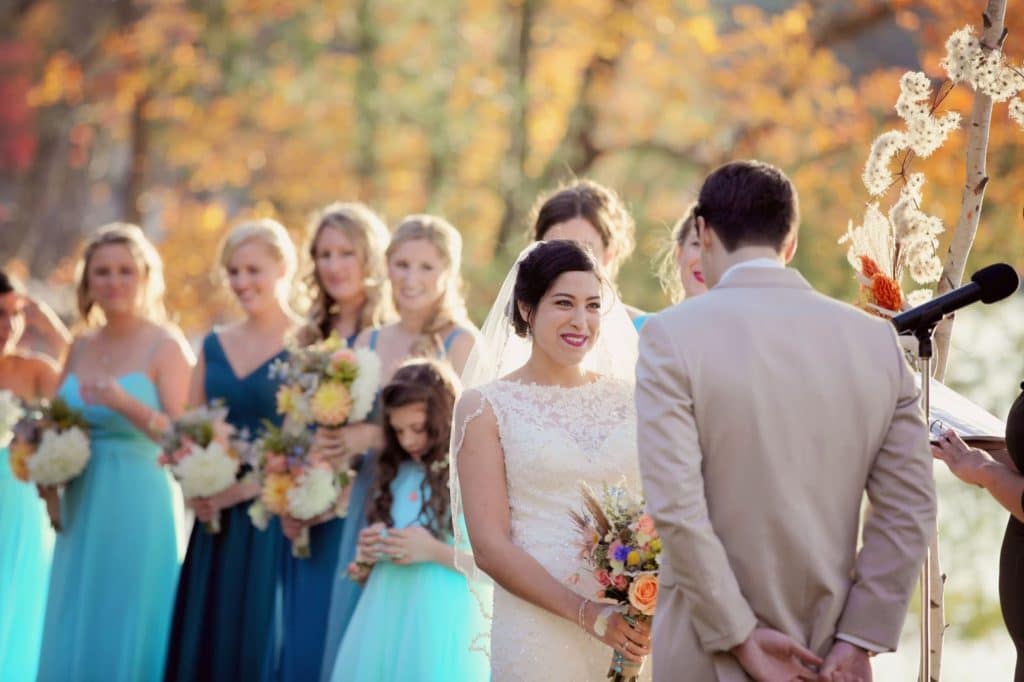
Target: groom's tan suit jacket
{"type": "Point", "coordinates": [766, 410]}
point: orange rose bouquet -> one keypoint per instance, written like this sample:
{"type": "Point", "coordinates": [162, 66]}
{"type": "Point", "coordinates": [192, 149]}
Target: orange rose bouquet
{"type": "Point", "coordinates": [620, 546]}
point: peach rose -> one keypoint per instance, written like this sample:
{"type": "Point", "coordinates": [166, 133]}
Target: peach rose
{"type": "Point", "coordinates": [645, 525]}
{"type": "Point", "coordinates": [643, 594]}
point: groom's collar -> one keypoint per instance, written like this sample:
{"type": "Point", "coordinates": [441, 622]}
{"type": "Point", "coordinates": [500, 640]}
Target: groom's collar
{"type": "Point", "coordinates": [752, 263]}
{"type": "Point", "coordinates": [755, 274]}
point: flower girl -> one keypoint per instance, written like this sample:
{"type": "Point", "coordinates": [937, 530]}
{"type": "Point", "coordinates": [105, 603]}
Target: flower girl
{"type": "Point", "coordinates": [413, 595]}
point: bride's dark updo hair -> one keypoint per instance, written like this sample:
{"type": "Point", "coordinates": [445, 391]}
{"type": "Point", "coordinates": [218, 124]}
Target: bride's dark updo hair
{"type": "Point", "coordinates": [538, 272]}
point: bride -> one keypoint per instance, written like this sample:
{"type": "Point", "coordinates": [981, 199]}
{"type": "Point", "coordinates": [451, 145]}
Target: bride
{"type": "Point", "coordinates": [524, 442]}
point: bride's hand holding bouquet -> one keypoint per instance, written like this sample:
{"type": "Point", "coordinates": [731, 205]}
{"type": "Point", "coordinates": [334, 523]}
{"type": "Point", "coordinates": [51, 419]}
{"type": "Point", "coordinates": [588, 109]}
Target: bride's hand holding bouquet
{"type": "Point", "coordinates": [620, 545]}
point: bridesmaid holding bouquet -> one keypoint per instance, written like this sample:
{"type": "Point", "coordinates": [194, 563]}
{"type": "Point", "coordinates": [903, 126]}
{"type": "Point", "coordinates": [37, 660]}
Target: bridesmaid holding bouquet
{"type": "Point", "coordinates": [423, 263]}
{"type": "Point", "coordinates": [115, 564]}
{"type": "Point", "coordinates": [26, 540]}
{"type": "Point", "coordinates": [225, 601]}
{"type": "Point", "coordinates": [349, 290]}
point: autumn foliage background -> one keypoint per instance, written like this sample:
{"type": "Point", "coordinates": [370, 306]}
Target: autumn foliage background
{"type": "Point", "coordinates": [186, 116]}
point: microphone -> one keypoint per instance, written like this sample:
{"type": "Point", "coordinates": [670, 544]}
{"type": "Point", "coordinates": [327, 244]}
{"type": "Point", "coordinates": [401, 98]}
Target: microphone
{"type": "Point", "coordinates": [988, 285]}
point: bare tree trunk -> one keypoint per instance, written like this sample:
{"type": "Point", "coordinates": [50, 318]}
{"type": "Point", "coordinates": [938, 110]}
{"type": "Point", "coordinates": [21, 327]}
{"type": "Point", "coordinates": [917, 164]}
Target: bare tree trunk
{"type": "Point", "coordinates": [439, 121]}
{"type": "Point", "coordinates": [974, 186]}
{"type": "Point", "coordinates": [993, 35]}
{"type": "Point", "coordinates": [367, 106]}
{"type": "Point", "coordinates": [131, 209]}
{"type": "Point", "coordinates": [514, 172]}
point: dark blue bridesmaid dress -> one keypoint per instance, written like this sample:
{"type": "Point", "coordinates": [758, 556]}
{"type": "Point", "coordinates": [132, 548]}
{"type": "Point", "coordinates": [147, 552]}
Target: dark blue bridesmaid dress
{"type": "Point", "coordinates": [225, 601]}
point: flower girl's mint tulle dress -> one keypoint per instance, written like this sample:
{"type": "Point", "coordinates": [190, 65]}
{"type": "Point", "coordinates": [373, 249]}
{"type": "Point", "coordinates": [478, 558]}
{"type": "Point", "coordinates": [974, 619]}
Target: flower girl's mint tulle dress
{"type": "Point", "coordinates": [115, 564]}
{"type": "Point", "coordinates": [413, 622]}
{"type": "Point", "coordinates": [26, 543]}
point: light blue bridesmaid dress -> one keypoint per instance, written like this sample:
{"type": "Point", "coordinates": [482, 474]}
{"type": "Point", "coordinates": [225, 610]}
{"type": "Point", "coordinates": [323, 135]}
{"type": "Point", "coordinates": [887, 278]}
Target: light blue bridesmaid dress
{"type": "Point", "coordinates": [413, 622]}
{"type": "Point", "coordinates": [115, 564]}
{"type": "Point", "coordinates": [26, 543]}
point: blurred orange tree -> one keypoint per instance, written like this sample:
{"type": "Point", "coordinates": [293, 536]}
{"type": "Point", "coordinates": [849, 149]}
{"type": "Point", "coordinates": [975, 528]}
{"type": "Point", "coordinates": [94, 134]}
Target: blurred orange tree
{"type": "Point", "coordinates": [187, 116]}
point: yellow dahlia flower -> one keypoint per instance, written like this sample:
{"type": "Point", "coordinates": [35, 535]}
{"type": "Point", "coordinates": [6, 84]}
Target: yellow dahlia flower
{"type": "Point", "coordinates": [275, 493]}
{"type": "Point", "coordinates": [331, 404]}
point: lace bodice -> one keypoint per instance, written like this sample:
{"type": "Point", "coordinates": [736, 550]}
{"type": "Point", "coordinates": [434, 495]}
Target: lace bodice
{"type": "Point", "coordinates": [553, 439]}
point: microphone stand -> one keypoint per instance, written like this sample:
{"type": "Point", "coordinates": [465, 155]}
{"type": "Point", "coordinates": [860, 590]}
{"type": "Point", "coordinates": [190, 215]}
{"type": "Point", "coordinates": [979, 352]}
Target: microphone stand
{"type": "Point", "coordinates": [924, 356]}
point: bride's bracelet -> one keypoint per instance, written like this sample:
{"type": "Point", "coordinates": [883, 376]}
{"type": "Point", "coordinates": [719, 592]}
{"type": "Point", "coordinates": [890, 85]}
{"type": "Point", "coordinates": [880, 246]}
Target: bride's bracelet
{"type": "Point", "coordinates": [579, 615]}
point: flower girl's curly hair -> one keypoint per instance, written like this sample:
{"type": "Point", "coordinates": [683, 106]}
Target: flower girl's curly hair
{"type": "Point", "coordinates": [433, 384]}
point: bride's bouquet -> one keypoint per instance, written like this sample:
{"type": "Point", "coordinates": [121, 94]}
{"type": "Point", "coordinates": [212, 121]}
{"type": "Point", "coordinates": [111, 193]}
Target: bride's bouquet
{"type": "Point", "coordinates": [621, 547]}
{"type": "Point", "coordinates": [295, 481]}
{"type": "Point", "coordinates": [327, 383]}
{"type": "Point", "coordinates": [199, 452]}
{"type": "Point", "coordinates": [11, 413]}
{"type": "Point", "coordinates": [50, 448]}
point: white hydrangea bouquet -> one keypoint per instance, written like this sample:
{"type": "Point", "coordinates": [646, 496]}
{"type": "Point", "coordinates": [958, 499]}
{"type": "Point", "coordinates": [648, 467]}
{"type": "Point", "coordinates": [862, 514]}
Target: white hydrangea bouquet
{"type": "Point", "coordinates": [11, 413]}
{"type": "Point", "coordinates": [295, 481]}
{"type": "Point", "coordinates": [50, 448]}
{"type": "Point", "coordinates": [327, 383]}
{"type": "Point", "coordinates": [200, 453]}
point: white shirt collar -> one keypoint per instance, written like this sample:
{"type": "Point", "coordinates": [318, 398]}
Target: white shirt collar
{"type": "Point", "coordinates": [753, 263]}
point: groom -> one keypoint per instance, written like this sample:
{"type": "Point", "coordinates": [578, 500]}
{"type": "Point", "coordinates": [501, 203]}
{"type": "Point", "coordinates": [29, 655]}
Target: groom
{"type": "Point", "coordinates": [766, 411]}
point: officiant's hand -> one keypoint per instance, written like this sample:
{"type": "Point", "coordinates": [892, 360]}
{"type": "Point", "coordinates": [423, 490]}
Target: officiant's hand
{"type": "Point", "coordinates": [769, 655]}
{"type": "Point", "coordinates": [970, 465]}
{"type": "Point", "coordinates": [846, 663]}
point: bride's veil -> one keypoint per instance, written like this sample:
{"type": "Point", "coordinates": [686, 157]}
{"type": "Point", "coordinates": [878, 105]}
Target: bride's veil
{"type": "Point", "coordinates": [498, 352]}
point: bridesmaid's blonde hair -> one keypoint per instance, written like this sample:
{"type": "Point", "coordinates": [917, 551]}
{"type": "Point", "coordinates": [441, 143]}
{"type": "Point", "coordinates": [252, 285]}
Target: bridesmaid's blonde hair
{"type": "Point", "coordinates": [150, 302]}
{"type": "Point", "coordinates": [451, 310]}
{"type": "Point", "coordinates": [271, 234]}
{"type": "Point", "coordinates": [369, 236]}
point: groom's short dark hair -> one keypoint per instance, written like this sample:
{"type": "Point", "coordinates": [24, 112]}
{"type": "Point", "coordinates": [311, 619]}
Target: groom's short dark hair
{"type": "Point", "coordinates": [749, 203]}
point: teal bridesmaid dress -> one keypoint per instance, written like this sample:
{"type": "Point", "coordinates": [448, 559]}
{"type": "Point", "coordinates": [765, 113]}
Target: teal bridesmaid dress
{"type": "Point", "coordinates": [299, 631]}
{"type": "Point", "coordinates": [26, 544]}
{"type": "Point", "coordinates": [115, 564]}
{"type": "Point", "coordinates": [413, 622]}
{"type": "Point", "coordinates": [225, 600]}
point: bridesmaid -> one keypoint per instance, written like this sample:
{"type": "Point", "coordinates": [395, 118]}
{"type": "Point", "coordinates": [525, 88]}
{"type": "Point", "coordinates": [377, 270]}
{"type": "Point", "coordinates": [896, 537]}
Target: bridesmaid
{"type": "Point", "coordinates": [115, 564]}
{"type": "Point", "coordinates": [414, 595]}
{"type": "Point", "coordinates": [224, 606]}
{"type": "Point", "coordinates": [593, 215]}
{"type": "Point", "coordinates": [423, 261]}
{"type": "Point", "coordinates": [26, 541]}
{"type": "Point", "coordinates": [679, 268]}
{"type": "Point", "coordinates": [349, 291]}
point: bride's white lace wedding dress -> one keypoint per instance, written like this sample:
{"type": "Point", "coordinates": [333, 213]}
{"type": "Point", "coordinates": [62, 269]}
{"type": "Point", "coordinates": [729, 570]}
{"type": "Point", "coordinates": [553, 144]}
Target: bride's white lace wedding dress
{"type": "Point", "coordinates": [555, 438]}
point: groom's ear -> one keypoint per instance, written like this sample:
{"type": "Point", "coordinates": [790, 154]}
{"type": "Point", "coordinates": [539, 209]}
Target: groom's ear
{"type": "Point", "coordinates": [789, 248]}
{"type": "Point", "coordinates": [703, 233]}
